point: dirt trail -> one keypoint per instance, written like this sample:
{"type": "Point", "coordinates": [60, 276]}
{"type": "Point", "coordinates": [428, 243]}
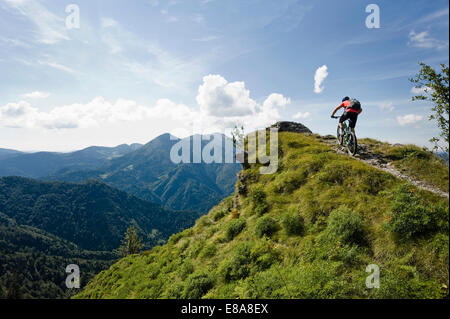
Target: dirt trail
{"type": "Point", "coordinates": [378, 161]}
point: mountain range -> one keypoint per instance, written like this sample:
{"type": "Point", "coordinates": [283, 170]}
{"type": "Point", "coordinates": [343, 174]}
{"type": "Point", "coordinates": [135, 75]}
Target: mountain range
{"type": "Point", "coordinates": [41, 164]}
{"type": "Point", "coordinates": [150, 174]}
{"type": "Point", "coordinates": [145, 171]}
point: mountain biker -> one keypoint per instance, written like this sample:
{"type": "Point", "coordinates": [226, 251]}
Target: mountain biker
{"type": "Point", "coordinates": [350, 113]}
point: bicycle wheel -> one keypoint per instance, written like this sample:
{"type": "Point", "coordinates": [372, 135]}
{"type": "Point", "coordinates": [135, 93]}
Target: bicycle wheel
{"type": "Point", "coordinates": [352, 144]}
{"type": "Point", "coordinates": [340, 136]}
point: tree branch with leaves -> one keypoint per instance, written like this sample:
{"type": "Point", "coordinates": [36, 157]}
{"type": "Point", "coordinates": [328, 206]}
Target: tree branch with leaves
{"type": "Point", "coordinates": [435, 88]}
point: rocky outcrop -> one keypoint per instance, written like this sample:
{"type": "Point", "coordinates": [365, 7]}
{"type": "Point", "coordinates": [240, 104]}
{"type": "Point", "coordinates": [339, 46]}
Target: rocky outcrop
{"type": "Point", "coordinates": [295, 127]}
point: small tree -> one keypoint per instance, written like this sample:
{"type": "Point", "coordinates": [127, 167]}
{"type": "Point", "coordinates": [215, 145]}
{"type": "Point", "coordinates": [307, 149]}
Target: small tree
{"type": "Point", "coordinates": [131, 244]}
{"type": "Point", "coordinates": [435, 89]}
{"type": "Point", "coordinates": [238, 137]}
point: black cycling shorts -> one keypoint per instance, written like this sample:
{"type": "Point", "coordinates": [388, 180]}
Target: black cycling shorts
{"type": "Point", "coordinates": [351, 116]}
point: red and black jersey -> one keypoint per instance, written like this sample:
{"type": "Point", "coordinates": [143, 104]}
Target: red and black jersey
{"type": "Point", "coordinates": [347, 105]}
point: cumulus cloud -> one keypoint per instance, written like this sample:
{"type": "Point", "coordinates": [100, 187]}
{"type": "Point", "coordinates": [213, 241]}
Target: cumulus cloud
{"type": "Point", "coordinates": [301, 115]}
{"type": "Point", "coordinates": [319, 77]}
{"type": "Point", "coordinates": [217, 97]}
{"type": "Point", "coordinates": [424, 40]}
{"type": "Point", "coordinates": [409, 119]}
{"type": "Point", "coordinates": [36, 95]}
{"type": "Point", "coordinates": [221, 105]}
{"type": "Point", "coordinates": [224, 104]}
{"type": "Point", "coordinates": [97, 112]}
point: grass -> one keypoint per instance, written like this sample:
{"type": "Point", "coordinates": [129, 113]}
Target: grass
{"type": "Point", "coordinates": [308, 231]}
{"type": "Point", "coordinates": [414, 161]}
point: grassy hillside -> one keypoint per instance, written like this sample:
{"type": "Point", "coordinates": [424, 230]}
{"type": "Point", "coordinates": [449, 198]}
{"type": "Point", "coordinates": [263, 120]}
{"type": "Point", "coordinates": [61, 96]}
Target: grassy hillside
{"type": "Point", "coordinates": [308, 231]}
{"type": "Point", "coordinates": [413, 161]}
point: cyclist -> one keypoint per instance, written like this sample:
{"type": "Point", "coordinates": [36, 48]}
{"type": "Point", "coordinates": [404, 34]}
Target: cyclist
{"type": "Point", "coordinates": [351, 113]}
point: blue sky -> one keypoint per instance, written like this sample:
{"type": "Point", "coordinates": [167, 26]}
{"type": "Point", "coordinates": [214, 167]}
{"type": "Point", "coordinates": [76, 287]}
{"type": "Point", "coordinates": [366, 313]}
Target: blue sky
{"type": "Point", "coordinates": [137, 69]}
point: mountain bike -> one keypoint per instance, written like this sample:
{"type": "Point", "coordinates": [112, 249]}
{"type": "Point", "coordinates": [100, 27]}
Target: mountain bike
{"type": "Point", "coordinates": [346, 137]}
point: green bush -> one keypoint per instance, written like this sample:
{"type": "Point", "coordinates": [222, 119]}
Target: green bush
{"type": "Point", "coordinates": [186, 269]}
{"type": "Point", "coordinates": [263, 255]}
{"type": "Point", "coordinates": [266, 226]}
{"type": "Point", "coordinates": [238, 266]}
{"type": "Point", "coordinates": [209, 251]}
{"type": "Point", "coordinates": [197, 285]}
{"type": "Point", "coordinates": [234, 228]}
{"type": "Point", "coordinates": [258, 198]}
{"type": "Point", "coordinates": [219, 215]}
{"type": "Point", "coordinates": [409, 216]}
{"type": "Point", "coordinates": [346, 226]}
{"type": "Point", "coordinates": [289, 181]}
{"type": "Point", "coordinates": [292, 223]}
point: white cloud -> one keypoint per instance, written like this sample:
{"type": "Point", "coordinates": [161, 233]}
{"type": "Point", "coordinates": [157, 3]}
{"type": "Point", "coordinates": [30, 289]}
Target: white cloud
{"type": "Point", "coordinates": [36, 95]}
{"type": "Point", "coordinates": [424, 40]}
{"type": "Point", "coordinates": [57, 66]}
{"type": "Point", "coordinates": [108, 22]}
{"type": "Point", "coordinates": [301, 115]}
{"type": "Point", "coordinates": [207, 39]}
{"type": "Point", "coordinates": [422, 90]}
{"type": "Point", "coordinates": [217, 97]}
{"type": "Point", "coordinates": [387, 106]}
{"type": "Point", "coordinates": [222, 105]}
{"type": "Point", "coordinates": [409, 119]}
{"type": "Point", "coordinates": [435, 15]}
{"type": "Point", "coordinates": [319, 77]}
{"type": "Point", "coordinates": [51, 28]}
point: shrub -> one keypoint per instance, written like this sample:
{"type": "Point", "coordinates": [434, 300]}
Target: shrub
{"type": "Point", "coordinates": [209, 251]}
{"type": "Point", "coordinates": [234, 228]}
{"type": "Point", "coordinates": [266, 226]}
{"type": "Point", "coordinates": [409, 216]}
{"type": "Point", "coordinates": [186, 269]}
{"type": "Point", "coordinates": [258, 198]}
{"type": "Point", "coordinates": [292, 223]}
{"type": "Point", "coordinates": [197, 285]}
{"type": "Point", "coordinates": [219, 215]}
{"type": "Point", "coordinates": [238, 266]}
{"type": "Point", "coordinates": [263, 255]}
{"type": "Point", "coordinates": [346, 226]}
{"type": "Point", "coordinates": [289, 181]}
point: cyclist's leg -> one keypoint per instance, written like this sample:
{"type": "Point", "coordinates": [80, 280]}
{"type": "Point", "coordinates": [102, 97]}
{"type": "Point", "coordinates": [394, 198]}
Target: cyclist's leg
{"type": "Point", "coordinates": [342, 119]}
{"type": "Point", "coordinates": [353, 118]}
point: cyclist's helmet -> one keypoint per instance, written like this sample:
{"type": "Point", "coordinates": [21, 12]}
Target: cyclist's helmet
{"type": "Point", "coordinates": [345, 99]}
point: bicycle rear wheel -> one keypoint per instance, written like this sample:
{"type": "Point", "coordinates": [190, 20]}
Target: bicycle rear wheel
{"type": "Point", "coordinates": [352, 144]}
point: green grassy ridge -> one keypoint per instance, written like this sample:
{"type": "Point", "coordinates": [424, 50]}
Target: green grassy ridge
{"type": "Point", "coordinates": [413, 161]}
{"type": "Point", "coordinates": [308, 231]}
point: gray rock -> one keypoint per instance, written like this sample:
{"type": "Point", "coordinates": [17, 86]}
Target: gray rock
{"type": "Point", "coordinates": [291, 127]}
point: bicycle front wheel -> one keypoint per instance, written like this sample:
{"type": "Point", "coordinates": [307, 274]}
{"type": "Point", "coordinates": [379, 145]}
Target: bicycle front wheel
{"type": "Point", "coordinates": [352, 144]}
{"type": "Point", "coordinates": [340, 136]}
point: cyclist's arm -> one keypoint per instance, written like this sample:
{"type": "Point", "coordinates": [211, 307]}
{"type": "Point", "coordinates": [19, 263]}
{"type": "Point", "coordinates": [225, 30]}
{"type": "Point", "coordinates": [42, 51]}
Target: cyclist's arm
{"type": "Point", "coordinates": [337, 109]}
{"type": "Point", "coordinates": [360, 111]}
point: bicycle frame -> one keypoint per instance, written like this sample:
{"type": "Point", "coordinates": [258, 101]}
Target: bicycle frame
{"type": "Point", "coordinates": [347, 130]}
